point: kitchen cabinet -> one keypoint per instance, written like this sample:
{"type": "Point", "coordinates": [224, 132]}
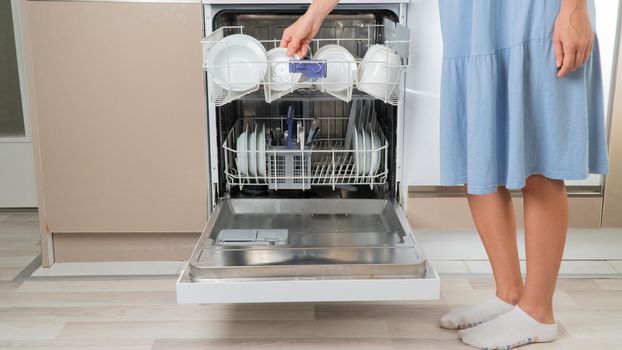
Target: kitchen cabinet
{"type": "Point", "coordinates": [119, 99]}
{"type": "Point", "coordinates": [612, 208]}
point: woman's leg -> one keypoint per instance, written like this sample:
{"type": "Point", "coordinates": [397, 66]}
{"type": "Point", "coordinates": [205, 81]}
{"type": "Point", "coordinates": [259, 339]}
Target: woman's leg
{"type": "Point", "coordinates": [495, 221]}
{"type": "Point", "coordinates": [546, 223]}
{"type": "Point", "coordinates": [494, 218]}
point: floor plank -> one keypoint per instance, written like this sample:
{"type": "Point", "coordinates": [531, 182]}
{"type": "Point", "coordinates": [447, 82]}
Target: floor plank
{"type": "Point", "coordinates": [609, 284]}
{"type": "Point", "coordinates": [266, 312]}
{"type": "Point", "coordinates": [68, 344]}
{"type": "Point", "coordinates": [599, 325]}
{"type": "Point", "coordinates": [276, 344]}
{"type": "Point", "coordinates": [56, 299]}
{"type": "Point", "coordinates": [226, 329]}
{"type": "Point", "coordinates": [29, 329]}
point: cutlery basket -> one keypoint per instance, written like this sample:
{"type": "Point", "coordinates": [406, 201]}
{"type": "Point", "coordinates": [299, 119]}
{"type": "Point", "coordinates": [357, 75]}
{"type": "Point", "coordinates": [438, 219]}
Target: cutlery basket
{"type": "Point", "coordinates": [289, 169]}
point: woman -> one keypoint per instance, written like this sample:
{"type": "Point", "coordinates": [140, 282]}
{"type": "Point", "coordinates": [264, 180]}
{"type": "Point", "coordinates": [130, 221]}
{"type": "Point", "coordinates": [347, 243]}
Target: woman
{"type": "Point", "coordinates": [521, 108]}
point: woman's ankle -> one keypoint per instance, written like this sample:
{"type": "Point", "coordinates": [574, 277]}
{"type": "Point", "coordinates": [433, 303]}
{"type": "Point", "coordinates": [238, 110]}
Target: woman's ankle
{"type": "Point", "coordinates": [542, 313]}
{"type": "Point", "coordinates": [511, 296]}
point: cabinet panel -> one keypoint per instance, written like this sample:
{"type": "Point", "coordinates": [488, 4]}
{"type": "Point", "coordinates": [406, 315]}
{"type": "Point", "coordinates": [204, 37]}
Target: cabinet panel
{"type": "Point", "coordinates": [612, 209]}
{"type": "Point", "coordinates": [120, 114]}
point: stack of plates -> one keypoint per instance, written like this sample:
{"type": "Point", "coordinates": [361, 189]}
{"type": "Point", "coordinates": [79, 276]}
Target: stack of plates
{"type": "Point", "coordinates": [237, 63]}
{"type": "Point", "coordinates": [251, 151]}
{"type": "Point", "coordinates": [367, 152]}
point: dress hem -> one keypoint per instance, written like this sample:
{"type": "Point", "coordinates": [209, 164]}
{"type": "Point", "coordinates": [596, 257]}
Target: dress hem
{"type": "Point", "coordinates": [515, 184]}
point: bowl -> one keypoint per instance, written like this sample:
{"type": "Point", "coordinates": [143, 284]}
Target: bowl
{"type": "Point", "coordinates": [340, 68]}
{"type": "Point", "coordinates": [278, 76]}
{"type": "Point", "coordinates": [379, 72]}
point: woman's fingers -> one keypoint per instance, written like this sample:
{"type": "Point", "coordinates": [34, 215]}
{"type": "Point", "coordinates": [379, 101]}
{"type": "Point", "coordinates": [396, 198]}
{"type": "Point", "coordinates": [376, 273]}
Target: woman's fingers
{"type": "Point", "coordinates": [286, 38]}
{"type": "Point", "coordinates": [569, 61]}
{"type": "Point", "coordinates": [559, 52]}
{"type": "Point", "coordinates": [293, 47]}
{"type": "Point", "coordinates": [574, 56]}
{"type": "Point", "coordinates": [304, 49]}
{"type": "Point", "coordinates": [285, 41]}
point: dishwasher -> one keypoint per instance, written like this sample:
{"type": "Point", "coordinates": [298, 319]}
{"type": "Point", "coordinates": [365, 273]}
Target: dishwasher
{"type": "Point", "coordinates": [324, 220]}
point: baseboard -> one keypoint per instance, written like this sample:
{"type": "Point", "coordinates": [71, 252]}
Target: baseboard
{"type": "Point", "coordinates": [89, 247]}
{"type": "Point", "coordinates": [465, 245]}
{"type": "Point", "coordinates": [452, 212]}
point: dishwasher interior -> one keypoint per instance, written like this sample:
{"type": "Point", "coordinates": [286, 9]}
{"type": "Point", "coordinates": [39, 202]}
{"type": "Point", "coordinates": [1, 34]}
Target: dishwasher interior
{"type": "Point", "coordinates": [327, 208]}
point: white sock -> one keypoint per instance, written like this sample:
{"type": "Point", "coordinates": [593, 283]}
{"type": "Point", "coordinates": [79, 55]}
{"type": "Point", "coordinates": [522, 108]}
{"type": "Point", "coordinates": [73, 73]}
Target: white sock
{"type": "Point", "coordinates": [512, 329]}
{"type": "Point", "coordinates": [469, 316]}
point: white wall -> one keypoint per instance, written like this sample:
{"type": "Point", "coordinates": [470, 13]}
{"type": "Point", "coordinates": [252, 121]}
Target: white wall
{"type": "Point", "coordinates": [423, 86]}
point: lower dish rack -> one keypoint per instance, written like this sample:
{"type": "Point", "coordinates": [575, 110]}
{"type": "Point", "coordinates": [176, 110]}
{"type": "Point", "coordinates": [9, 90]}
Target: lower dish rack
{"type": "Point", "coordinates": [358, 159]}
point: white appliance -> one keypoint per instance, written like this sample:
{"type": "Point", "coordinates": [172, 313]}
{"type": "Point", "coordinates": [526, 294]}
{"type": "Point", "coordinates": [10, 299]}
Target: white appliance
{"type": "Point", "coordinates": [321, 219]}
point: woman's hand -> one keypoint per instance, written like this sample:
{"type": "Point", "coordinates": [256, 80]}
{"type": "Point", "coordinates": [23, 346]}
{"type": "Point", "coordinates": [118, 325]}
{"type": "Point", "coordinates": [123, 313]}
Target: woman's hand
{"type": "Point", "coordinates": [296, 38]}
{"type": "Point", "coordinates": [573, 37]}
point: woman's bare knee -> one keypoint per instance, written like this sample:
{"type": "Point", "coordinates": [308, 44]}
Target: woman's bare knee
{"type": "Point", "coordinates": [538, 184]}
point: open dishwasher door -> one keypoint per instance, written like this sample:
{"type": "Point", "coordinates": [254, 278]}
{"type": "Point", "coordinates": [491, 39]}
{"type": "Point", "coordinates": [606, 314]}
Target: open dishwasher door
{"type": "Point", "coordinates": [305, 250]}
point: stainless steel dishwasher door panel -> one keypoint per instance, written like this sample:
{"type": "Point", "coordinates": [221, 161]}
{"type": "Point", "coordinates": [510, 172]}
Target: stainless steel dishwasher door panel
{"type": "Point", "coordinates": [329, 243]}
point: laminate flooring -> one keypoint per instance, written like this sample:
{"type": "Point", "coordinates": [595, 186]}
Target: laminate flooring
{"type": "Point", "coordinates": [141, 313]}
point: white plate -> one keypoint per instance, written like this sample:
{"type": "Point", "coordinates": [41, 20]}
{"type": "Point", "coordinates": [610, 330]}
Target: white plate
{"type": "Point", "coordinates": [354, 109]}
{"type": "Point", "coordinates": [278, 75]}
{"type": "Point", "coordinates": [237, 62]}
{"type": "Point", "coordinates": [331, 47]}
{"type": "Point", "coordinates": [242, 158]}
{"type": "Point", "coordinates": [357, 158]}
{"type": "Point", "coordinates": [261, 151]}
{"type": "Point", "coordinates": [367, 151]}
{"type": "Point", "coordinates": [252, 151]}
{"type": "Point", "coordinates": [375, 153]}
{"type": "Point", "coordinates": [363, 114]}
{"type": "Point", "coordinates": [340, 68]}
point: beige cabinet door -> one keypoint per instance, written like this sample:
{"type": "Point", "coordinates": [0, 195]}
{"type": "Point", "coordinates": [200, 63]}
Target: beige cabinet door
{"type": "Point", "coordinates": [120, 101]}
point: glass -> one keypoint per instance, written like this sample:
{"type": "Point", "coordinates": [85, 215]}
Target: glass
{"type": "Point", "coordinates": [11, 114]}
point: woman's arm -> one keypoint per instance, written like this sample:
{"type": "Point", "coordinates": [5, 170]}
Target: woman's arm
{"type": "Point", "coordinates": [573, 36]}
{"type": "Point", "coordinates": [296, 38]}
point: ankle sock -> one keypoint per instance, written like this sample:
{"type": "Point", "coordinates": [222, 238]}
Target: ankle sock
{"type": "Point", "coordinates": [512, 329]}
{"type": "Point", "coordinates": [470, 316]}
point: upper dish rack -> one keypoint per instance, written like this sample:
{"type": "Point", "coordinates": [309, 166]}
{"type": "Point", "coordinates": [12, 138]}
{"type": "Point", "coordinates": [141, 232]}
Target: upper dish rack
{"type": "Point", "coordinates": [382, 73]}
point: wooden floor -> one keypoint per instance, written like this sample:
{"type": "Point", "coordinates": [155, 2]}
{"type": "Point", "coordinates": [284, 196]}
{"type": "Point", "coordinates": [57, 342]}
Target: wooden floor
{"type": "Point", "coordinates": [137, 314]}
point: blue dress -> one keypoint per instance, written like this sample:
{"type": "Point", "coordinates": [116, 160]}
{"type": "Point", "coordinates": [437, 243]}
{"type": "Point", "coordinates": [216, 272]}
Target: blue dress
{"type": "Point", "coordinates": [504, 113]}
